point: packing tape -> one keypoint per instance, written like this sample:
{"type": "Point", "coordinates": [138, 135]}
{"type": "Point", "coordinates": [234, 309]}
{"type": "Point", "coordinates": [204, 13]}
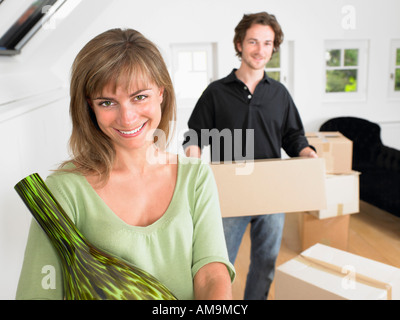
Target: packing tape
{"type": "Point", "coordinates": [339, 209]}
{"type": "Point", "coordinates": [325, 142]}
{"type": "Point", "coordinates": [321, 136]}
{"type": "Point", "coordinates": [358, 277]}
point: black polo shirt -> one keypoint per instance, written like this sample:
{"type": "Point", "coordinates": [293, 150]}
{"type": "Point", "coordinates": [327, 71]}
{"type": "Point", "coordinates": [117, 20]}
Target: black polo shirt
{"type": "Point", "coordinates": [240, 125]}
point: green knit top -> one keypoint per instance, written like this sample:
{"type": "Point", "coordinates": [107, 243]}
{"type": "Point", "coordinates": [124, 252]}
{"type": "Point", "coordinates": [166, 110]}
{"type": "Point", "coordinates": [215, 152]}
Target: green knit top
{"type": "Point", "coordinates": [188, 236]}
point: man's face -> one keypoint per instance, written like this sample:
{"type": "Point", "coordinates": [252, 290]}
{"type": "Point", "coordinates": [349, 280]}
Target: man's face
{"type": "Point", "coordinates": [257, 46]}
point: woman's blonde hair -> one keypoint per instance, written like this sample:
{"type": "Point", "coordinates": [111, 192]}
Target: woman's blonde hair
{"type": "Point", "coordinates": [115, 57]}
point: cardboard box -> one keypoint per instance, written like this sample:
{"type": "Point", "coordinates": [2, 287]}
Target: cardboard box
{"type": "Point", "coordinates": [335, 148]}
{"type": "Point", "coordinates": [270, 186]}
{"type": "Point", "coordinates": [342, 195]}
{"type": "Point", "coordinates": [325, 273]}
{"type": "Point", "coordinates": [333, 232]}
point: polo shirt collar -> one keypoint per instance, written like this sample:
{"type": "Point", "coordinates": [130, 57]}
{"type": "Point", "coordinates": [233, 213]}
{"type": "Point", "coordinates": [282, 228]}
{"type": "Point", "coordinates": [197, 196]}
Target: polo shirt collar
{"type": "Point", "coordinates": [232, 77]}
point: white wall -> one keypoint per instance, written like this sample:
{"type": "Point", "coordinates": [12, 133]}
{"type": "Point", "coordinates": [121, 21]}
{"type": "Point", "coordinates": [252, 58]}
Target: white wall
{"type": "Point", "coordinates": [34, 140]}
{"type": "Point", "coordinates": [307, 23]}
{"type": "Point", "coordinates": [34, 137]}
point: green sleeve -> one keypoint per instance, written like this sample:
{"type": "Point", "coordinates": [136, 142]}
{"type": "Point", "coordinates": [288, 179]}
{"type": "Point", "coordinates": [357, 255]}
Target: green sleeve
{"type": "Point", "coordinates": [208, 236]}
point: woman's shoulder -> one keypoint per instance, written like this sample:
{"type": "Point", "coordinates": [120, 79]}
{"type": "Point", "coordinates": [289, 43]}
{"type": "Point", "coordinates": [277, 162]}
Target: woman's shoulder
{"type": "Point", "coordinates": [69, 188]}
{"type": "Point", "coordinates": [64, 173]}
{"type": "Point", "coordinates": [65, 178]}
{"type": "Point", "coordinates": [195, 172]}
{"type": "Point", "coordinates": [191, 164]}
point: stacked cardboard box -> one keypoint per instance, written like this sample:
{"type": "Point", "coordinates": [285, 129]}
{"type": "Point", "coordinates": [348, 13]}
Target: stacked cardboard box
{"type": "Point", "coordinates": [270, 186]}
{"type": "Point", "coordinates": [342, 195]}
{"type": "Point", "coordinates": [292, 185]}
{"type": "Point", "coordinates": [335, 148]}
{"type": "Point", "coordinates": [331, 225]}
{"type": "Point", "coordinates": [325, 273]}
{"type": "Point", "coordinates": [333, 232]}
{"type": "Point", "coordinates": [342, 183]}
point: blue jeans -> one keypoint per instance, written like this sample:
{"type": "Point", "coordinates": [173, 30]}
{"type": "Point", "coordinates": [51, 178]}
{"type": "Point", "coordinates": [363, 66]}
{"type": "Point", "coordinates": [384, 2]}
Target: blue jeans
{"type": "Point", "coordinates": [266, 236]}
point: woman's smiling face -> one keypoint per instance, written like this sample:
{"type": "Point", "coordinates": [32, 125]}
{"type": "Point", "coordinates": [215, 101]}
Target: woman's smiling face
{"type": "Point", "coordinates": [128, 116]}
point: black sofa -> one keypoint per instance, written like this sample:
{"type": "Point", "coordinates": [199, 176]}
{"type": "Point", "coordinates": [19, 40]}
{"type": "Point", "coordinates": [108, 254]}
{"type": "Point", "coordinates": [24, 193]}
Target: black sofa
{"type": "Point", "coordinates": [379, 165]}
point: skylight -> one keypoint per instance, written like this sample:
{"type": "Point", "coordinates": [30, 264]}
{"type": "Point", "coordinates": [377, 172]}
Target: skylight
{"type": "Point", "coordinates": [27, 24]}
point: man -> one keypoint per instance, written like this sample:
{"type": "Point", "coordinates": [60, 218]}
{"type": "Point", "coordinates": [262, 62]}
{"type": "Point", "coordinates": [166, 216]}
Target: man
{"type": "Point", "coordinates": [248, 99]}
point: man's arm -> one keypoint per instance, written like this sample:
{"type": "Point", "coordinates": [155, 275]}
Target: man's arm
{"type": "Point", "coordinates": [308, 152]}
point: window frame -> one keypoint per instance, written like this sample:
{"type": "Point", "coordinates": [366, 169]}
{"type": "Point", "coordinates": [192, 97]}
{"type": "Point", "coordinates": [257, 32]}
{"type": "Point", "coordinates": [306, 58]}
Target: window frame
{"type": "Point", "coordinates": [362, 69]}
{"type": "Point", "coordinates": [394, 46]}
{"type": "Point", "coordinates": [210, 49]}
{"type": "Point", "coordinates": [285, 68]}
{"type": "Point", "coordinates": [275, 69]}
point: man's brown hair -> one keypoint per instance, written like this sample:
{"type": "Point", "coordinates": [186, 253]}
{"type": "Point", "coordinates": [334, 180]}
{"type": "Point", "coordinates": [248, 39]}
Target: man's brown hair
{"type": "Point", "coordinates": [262, 18]}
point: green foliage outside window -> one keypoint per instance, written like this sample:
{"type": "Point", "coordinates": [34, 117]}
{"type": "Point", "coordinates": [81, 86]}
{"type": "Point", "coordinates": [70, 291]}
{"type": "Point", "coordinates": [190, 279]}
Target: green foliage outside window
{"type": "Point", "coordinates": [276, 75]}
{"type": "Point", "coordinates": [334, 58]}
{"type": "Point", "coordinates": [274, 63]}
{"type": "Point", "coordinates": [341, 81]}
{"type": "Point", "coordinates": [341, 73]}
{"type": "Point", "coordinates": [351, 57]}
{"type": "Point", "coordinates": [397, 72]}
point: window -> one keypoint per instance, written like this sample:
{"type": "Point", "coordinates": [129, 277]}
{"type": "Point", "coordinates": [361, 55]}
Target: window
{"type": "Point", "coordinates": [397, 71]}
{"type": "Point", "coordinates": [193, 70]}
{"type": "Point", "coordinates": [280, 67]}
{"type": "Point", "coordinates": [27, 24]}
{"type": "Point", "coordinates": [394, 82]}
{"type": "Point", "coordinates": [345, 69]}
{"type": "Point", "coordinates": [342, 70]}
{"type": "Point", "coordinates": [273, 67]}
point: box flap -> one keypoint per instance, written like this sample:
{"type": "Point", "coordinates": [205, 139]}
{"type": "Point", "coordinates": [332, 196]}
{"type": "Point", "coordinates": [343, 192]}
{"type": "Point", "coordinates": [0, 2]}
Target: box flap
{"type": "Point", "coordinates": [355, 270]}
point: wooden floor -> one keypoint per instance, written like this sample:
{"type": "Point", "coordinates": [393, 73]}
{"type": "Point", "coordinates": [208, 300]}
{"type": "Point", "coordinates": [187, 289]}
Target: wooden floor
{"type": "Point", "coordinates": [373, 234]}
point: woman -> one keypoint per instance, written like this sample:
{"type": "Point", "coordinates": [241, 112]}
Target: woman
{"type": "Point", "coordinates": [124, 192]}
